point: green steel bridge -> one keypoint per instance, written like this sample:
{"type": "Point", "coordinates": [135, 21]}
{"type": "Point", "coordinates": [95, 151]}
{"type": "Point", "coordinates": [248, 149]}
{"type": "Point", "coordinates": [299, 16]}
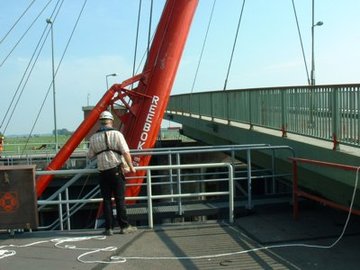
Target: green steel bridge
{"type": "Point", "coordinates": [319, 122]}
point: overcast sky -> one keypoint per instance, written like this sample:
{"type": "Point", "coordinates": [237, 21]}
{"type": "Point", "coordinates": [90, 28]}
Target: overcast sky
{"type": "Point", "coordinates": [268, 51]}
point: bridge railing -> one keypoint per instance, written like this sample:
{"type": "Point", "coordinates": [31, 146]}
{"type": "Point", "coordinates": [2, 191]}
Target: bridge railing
{"type": "Point", "coordinates": [328, 112]}
{"type": "Point", "coordinates": [178, 179]}
{"type": "Point", "coordinates": [72, 205]}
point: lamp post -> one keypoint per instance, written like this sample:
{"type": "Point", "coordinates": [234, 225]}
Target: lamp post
{"type": "Point", "coordinates": [49, 21]}
{"type": "Point", "coordinates": [312, 75]}
{"type": "Point", "coordinates": [313, 24]}
{"type": "Point", "coordinates": [107, 76]}
{"type": "Point", "coordinates": [107, 85]}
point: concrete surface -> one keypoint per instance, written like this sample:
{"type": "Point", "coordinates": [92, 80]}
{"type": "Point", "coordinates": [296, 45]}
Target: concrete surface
{"type": "Point", "coordinates": [267, 238]}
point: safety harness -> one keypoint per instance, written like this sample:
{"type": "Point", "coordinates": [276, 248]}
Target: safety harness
{"type": "Point", "coordinates": [107, 143]}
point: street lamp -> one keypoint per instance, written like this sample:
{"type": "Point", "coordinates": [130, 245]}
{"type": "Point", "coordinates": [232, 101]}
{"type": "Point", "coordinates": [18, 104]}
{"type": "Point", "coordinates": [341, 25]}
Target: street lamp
{"type": "Point", "coordinates": [319, 23]}
{"type": "Point", "coordinates": [49, 21]}
{"type": "Point", "coordinates": [107, 85]}
{"type": "Point", "coordinates": [107, 76]}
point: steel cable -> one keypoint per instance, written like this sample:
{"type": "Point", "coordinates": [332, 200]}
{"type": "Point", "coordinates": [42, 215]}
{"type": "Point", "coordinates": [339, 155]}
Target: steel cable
{"type": "Point", "coordinates": [203, 46]}
{"type": "Point", "coordinates": [16, 22]}
{"type": "Point", "coordinates": [21, 38]}
{"type": "Point", "coordinates": [150, 22]}
{"type": "Point", "coordinates": [57, 69]}
{"type": "Point", "coordinates": [24, 74]}
{"type": "Point", "coordinates": [137, 36]}
{"type": "Point", "coordinates": [301, 42]}
{"type": "Point", "coordinates": [234, 45]}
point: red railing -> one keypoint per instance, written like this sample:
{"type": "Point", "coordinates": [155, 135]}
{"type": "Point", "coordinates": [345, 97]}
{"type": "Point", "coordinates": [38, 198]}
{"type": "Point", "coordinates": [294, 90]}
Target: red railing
{"type": "Point", "coordinates": [301, 193]}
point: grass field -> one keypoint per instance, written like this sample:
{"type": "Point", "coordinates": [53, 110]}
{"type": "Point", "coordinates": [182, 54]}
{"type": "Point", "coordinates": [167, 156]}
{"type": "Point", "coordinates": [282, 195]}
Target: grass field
{"type": "Point", "coordinates": [25, 145]}
{"type": "Point", "coordinates": [20, 145]}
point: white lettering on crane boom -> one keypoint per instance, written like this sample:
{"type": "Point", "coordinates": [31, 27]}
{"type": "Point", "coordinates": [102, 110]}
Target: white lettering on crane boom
{"type": "Point", "coordinates": [148, 122]}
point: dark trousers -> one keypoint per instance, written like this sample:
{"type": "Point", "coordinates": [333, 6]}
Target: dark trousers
{"type": "Point", "coordinates": [112, 183]}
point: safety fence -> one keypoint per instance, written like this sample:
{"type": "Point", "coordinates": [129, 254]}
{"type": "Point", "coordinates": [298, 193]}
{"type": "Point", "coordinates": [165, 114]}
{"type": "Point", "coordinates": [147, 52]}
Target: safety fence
{"type": "Point", "coordinates": [328, 112]}
{"type": "Point", "coordinates": [177, 182]}
{"type": "Point", "coordinates": [150, 196]}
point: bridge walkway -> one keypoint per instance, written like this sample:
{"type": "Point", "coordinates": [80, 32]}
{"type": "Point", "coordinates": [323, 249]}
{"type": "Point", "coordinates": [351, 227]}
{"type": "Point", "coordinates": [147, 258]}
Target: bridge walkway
{"type": "Point", "coordinates": [275, 238]}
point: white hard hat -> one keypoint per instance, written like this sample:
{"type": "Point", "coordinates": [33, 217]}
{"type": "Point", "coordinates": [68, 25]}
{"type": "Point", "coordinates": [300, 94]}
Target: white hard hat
{"type": "Point", "coordinates": [106, 115]}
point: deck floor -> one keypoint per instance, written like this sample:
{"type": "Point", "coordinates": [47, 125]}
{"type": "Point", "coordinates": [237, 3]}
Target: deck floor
{"type": "Point", "coordinates": [267, 238]}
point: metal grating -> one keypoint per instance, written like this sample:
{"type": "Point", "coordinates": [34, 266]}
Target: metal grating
{"type": "Point", "coordinates": [210, 241]}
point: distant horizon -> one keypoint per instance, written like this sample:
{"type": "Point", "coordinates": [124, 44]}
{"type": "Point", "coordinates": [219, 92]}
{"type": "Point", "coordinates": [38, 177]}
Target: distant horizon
{"type": "Point", "coordinates": [72, 131]}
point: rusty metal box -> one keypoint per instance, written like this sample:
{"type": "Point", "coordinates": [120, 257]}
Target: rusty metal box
{"type": "Point", "coordinates": [18, 205]}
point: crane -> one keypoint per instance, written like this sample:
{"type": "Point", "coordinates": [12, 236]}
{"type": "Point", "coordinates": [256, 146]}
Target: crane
{"type": "Point", "coordinates": [146, 103]}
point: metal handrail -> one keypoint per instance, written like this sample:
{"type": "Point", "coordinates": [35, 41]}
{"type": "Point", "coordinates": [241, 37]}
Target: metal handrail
{"type": "Point", "coordinates": [326, 112]}
{"type": "Point", "coordinates": [179, 151]}
{"type": "Point", "coordinates": [175, 186]}
{"type": "Point", "coordinates": [150, 196]}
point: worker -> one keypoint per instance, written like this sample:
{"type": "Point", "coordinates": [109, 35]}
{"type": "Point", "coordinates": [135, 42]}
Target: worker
{"type": "Point", "coordinates": [112, 152]}
{"type": "Point", "coordinates": [1, 144]}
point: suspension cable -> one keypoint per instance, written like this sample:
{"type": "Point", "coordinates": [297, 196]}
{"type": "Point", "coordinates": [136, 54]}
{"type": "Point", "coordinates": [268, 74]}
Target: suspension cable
{"type": "Point", "coordinates": [21, 81]}
{"type": "Point", "coordinates": [301, 42]}
{"type": "Point", "coordinates": [233, 49]}
{"type": "Point", "coordinates": [137, 36]}
{"type": "Point", "coordinates": [24, 74]}
{"type": "Point", "coordinates": [150, 21]}
{"type": "Point", "coordinates": [27, 30]}
{"type": "Point", "coordinates": [57, 69]}
{"type": "Point", "coordinates": [150, 38]}
{"type": "Point", "coordinates": [143, 56]}
{"type": "Point", "coordinates": [203, 46]}
{"type": "Point", "coordinates": [16, 22]}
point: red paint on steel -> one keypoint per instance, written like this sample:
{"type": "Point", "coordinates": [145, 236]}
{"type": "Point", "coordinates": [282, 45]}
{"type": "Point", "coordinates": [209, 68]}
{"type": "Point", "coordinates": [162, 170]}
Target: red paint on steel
{"type": "Point", "coordinates": [142, 127]}
{"type": "Point", "coordinates": [147, 102]}
{"type": "Point", "coordinates": [301, 193]}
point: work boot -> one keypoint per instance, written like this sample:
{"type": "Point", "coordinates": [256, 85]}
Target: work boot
{"type": "Point", "coordinates": [108, 232]}
{"type": "Point", "coordinates": [128, 229]}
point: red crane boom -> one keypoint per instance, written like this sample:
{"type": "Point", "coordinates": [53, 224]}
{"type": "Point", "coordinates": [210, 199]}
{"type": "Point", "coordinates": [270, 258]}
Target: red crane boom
{"type": "Point", "coordinates": [147, 102]}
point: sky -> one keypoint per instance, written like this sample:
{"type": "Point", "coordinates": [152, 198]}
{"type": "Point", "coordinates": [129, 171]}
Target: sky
{"type": "Point", "coordinates": [267, 53]}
